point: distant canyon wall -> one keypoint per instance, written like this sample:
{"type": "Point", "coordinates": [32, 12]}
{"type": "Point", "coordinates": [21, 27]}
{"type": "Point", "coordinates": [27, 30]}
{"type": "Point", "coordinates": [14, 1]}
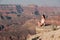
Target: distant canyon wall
{"type": "Point", "coordinates": [32, 11]}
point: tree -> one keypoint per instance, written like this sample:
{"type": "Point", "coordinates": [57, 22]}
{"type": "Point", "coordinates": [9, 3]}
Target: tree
{"type": "Point", "coordinates": [2, 17]}
{"type": "Point", "coordinates": [36, 12]}
{"type": "Point", "coordinates": [1, 27]}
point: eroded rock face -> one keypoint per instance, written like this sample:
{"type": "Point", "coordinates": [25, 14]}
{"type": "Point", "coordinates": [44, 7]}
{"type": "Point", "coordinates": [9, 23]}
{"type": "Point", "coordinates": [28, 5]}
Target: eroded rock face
{"type": "Point", "coordinates": [18, 28]}
{"type": "Point", "coordinates": [53, 35]}
{"type": "Point", "coordinates": [46, 33]}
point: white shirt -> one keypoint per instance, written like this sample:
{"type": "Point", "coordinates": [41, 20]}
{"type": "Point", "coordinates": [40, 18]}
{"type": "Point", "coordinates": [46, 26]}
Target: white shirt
{"type": "Point", "coordinates": [42, 20]}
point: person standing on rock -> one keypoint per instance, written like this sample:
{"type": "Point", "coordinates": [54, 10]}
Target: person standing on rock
{"type": "Point", "coordinates": [43, 20]}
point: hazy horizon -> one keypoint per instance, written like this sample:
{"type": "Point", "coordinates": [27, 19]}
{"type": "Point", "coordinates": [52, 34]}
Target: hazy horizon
{"type": "Point", "coordinates": [53, 3]}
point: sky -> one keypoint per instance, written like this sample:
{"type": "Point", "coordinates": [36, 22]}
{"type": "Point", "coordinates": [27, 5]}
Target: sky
{"type": "Point", "coordinates": [36, 2]}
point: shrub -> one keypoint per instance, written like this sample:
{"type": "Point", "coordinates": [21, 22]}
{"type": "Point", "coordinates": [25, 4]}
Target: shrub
{"type": "Point", "coordinates": [1, 27]}
{"type": "Point", "coordinates": [8, 17]}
